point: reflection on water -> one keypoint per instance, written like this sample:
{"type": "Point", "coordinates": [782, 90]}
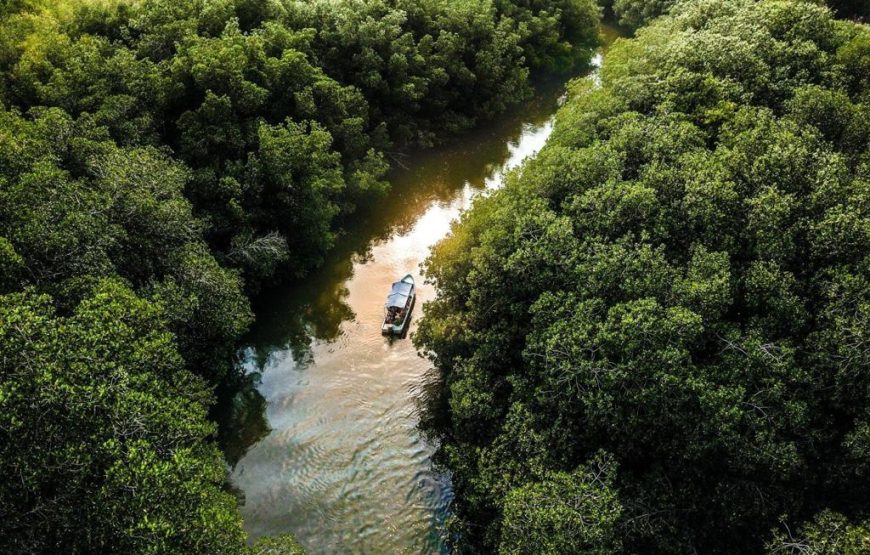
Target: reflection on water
{"type": "Point", "coordinates": [241, 416]}
{"type": "Point", "coordinates": [342, 463]}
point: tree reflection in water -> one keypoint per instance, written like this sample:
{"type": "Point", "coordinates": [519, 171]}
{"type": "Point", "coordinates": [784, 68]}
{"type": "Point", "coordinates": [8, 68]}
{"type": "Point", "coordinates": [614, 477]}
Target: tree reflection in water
{"type": "Point", "coordinates": [347, 465]}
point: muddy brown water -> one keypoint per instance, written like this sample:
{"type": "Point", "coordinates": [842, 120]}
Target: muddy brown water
{"type": "Point", "coordinates": [326, 443]}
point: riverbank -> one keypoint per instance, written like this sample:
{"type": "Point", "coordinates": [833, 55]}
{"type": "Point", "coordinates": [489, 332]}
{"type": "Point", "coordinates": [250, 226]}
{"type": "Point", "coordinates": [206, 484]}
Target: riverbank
{"type": "Point", "coordinates": [651, 337]}
{"type": "Point", "coordinates": [337, 456]}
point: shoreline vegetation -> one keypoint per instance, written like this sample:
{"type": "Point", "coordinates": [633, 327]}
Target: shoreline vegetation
{"type": "Point", "coordinates": [654, 337]}
{"type": "Point", "coordinates": [634, 14]}
{"type": "Point", "coordinates": [160, 161]}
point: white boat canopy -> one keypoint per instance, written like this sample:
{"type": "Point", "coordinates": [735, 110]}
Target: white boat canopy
{"type": "Point", "coordinates": [398, 296]}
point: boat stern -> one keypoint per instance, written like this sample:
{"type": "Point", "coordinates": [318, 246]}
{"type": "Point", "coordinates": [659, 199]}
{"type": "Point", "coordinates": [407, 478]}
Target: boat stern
{"type": "Point", "coordinates": [391, 329]}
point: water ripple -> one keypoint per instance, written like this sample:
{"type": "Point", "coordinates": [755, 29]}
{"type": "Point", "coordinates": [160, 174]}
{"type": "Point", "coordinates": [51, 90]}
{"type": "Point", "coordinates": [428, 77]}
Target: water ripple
{"type": "Point", "coordinates": [346, 467]}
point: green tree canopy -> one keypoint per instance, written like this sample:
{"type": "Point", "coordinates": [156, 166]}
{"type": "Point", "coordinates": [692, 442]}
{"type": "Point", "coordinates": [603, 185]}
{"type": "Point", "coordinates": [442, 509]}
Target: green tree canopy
{"type": "Point", "coordinates": [564, 514]}
{"type": "Point", "coordinates": [829, 533]}
{"type": "Point", "coordinates": [680, 279]}
{"type": "Point", "coordinates": [104, 431]}
{"type": "Point", "coordinates": [160, 160]}
{"type": "Point", "coordinates": [362, 77]}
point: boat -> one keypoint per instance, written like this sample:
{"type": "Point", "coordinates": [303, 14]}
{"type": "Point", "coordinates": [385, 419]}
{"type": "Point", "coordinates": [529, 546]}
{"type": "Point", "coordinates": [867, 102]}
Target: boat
{"type": "Point", "coordinates": [400, 303]}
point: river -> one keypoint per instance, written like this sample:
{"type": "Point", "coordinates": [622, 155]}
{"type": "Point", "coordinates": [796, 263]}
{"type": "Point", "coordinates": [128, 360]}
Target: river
{"type": "Point", "coordinates": [326, 443]}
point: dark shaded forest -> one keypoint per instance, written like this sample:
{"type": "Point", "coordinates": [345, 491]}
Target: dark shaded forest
{"type": "Point", "coordinates": [655, 337]}
{"type": "Point", "coordinates": [160, 161]}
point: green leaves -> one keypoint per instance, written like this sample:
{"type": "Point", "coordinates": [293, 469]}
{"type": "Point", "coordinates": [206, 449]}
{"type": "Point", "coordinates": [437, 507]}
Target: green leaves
{"type": "Point", "coordinates": [104, 429]}
{"type": "Point", "coordinates": [206, 78]}
{"type": "Point", "coordinates": [676, 279]}
{"type": "Point", "coordinates": [565, 513]}
{"type": "Point", "coordinates": [295, 171]}
{"type": "Point", "coordinates": [278, 545]}
{"type": "Point", "coordinates": [829, 533]}
{"type": "Point", "coordinates": [637, 13]}
{"type": "Point", "coordinates": [77, 208]}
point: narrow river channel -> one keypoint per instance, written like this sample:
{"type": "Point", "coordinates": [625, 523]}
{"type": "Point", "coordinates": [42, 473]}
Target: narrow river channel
{"type": "Point", "coordinates": [328, 445]}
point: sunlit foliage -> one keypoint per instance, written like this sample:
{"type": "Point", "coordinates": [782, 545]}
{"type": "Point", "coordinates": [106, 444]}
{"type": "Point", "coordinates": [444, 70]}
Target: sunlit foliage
{"type": "Point", "coordinates": [679, 279]}
{"type": "Point", "coordinates": [354, 79]}
{"type": "Point", "coordinates": [829, 533]}
{"type": "Point", "coordinates": [634, 14]}
{"type": "Point", "coordinates": [159, 159]}
{"type": "Point", "coordinates": [103, 431]}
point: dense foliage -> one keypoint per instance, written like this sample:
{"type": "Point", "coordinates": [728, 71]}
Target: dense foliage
{"type": "Point", "coordinates": [75, 208]}
{"type": "Point", "coordinates": [680, 280]}
{"type": "Point", "coordinates": [158, 160]}
{"type": "Point", "coordinates": [828, 534]}
{"type": "Point", "coordinates": [637, 13]}
{"type": "Point", "coordinates": [103, 433]}
{"type": "Point", "coordinates": [279, 105]}
{"type": "Point", "coordinates": [634, 14]}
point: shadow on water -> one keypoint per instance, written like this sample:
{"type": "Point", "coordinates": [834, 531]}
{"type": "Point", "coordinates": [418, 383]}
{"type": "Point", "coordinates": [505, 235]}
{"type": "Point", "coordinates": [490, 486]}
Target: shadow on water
{"type": "Point", "coordinates": [241, 416]}
{"type": "Point", "coordinates": [323, 428]}
{"type": "Point", "coordinates": [291, 316]}
{"type": "Point", "coordinates": [294, 313]}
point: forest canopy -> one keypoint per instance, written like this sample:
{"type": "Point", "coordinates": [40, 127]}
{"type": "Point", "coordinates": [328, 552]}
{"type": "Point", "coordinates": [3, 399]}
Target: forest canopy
{"type": "Point", "coordinates": [227, 84]}
{"type": "Point", "coordinates": [655, 336]}
{"type": "Point", "coordinates": [159, 161]}
{"type": "Point", "coordinates": [634, 14]}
